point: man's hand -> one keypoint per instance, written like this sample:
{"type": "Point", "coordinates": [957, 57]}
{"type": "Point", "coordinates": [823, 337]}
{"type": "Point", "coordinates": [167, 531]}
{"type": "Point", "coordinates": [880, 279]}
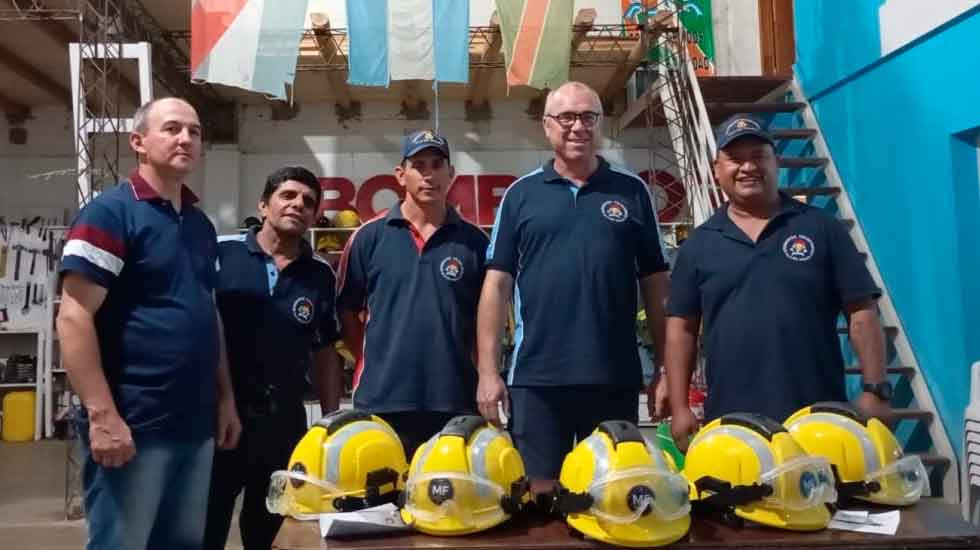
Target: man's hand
{"type": "Point", "coordinates": [683, 424]}
{"type": "Point", "coordinates": [658, 399]}
{"type": "Point", "coordinates": [490, 391]}
{"type": "Point", "coordinates": [871, 406]}
{"type": "Point", "coordinates": [229, 425]}
{"type": "Point", "coordinates": [110, 440]}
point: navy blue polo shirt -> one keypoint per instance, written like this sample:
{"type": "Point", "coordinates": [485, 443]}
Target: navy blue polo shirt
{"type": "Point", "coordinates": [157, 327]}
{"type": "Point", "coordinates": [770, 308]}
{"type": "Point", "coordinates": [273, 319]}
{"type": "Point", "coordinates": [575, 254]}
{"type": "Point", "coordinates": [421, 301]}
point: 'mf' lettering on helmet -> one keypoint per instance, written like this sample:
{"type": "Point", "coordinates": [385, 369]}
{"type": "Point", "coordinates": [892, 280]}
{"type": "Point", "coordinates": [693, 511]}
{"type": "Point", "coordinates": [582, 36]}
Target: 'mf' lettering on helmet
{"type": "Point", "coordinates": [440, 490]}
{"type": "Point", "coordinates": [640, 498]}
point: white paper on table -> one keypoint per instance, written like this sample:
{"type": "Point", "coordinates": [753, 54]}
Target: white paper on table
{"type": "Point", "coordinates": [369, 521]}
{"type": "Point", "coordinates": [884, 523]}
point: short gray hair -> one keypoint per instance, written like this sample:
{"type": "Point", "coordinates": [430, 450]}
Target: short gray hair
{"type": "Point", "coordinates": [572, 85]}
{"type": "Point", "coordinates": [141, 116]}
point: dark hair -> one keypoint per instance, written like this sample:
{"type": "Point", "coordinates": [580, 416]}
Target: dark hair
{"type": "Point", "coordinates": [295, 173]}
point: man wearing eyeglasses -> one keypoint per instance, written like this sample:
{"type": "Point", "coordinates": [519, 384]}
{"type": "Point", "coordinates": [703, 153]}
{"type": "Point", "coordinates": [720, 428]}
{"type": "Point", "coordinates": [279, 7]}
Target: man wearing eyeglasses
{"type": "Point", "coordinates": [570, 241]}
{"type": "Point", "coordinates": [409, 283]}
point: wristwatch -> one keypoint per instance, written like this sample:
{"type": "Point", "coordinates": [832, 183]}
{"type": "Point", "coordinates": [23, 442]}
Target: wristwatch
{"type": "Point", "coordinates": [881, 390]}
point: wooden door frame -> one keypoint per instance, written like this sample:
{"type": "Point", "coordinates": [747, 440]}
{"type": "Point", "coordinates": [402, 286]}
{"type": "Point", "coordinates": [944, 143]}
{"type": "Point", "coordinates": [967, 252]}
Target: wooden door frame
{"type": "Point", "coordinates": [777, 41]}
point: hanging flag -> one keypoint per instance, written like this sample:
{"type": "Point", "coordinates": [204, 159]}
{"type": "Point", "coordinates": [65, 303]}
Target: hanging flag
{"type": "Point", "coordinates": [250, 44]}
{"type": "Point", "coordinates": [408, 39]}
{"type": "Point", "coordinates": [537, 41]}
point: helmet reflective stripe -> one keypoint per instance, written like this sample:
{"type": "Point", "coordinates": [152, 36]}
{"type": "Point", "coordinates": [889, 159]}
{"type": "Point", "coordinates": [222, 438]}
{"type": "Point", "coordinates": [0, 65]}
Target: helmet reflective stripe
{"type": "Point", "coordinates": [601, 454]}
{"type": "Point", "coordinates": [656, 454]}
{"type": "Point", "coordinates": [756, 442]}
{"type": "Point", "coordinates": [479, 464]}
{"type": "Point", "coordinates": [871, 462]}
{"type": "Point", "coordinates": [339, 439]}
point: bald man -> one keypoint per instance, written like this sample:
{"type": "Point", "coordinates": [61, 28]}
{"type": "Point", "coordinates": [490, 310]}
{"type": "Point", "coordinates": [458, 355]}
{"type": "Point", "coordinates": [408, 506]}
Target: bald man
{"type": "Point", "coordinates": [570, 242]}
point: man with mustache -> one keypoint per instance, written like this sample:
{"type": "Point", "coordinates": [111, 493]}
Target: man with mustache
{"type": "Point", "coordinates": [768, 276]}
{"type": "Point", "coordinates": [276, 298]}
{"type": "Point", "coordinates": [570, 243]}
{"type": "Point", "coordinates": [408, 291]}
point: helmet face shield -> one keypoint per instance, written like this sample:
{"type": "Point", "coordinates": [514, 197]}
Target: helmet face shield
{"type": "Point", "coordinates": [624, 496]}
{"type": "Point", "coordinates": [464, 500]}
{"type": "Point", "coordinates": [901, 482]}
{"type": "Point", "coordinates": [298, 495]}
{"type": "Point", "coordinates": [800, 483]}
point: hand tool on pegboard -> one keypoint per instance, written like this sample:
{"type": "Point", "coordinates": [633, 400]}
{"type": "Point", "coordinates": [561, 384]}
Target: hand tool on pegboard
{"type": "Point", "coordinates": [27, 300]}
{"type": "Point", "coordinates": [18, 248]}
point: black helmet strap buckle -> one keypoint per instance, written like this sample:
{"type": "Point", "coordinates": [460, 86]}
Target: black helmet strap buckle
{"type": "Point", "coordinates": [560, 502]}
{"type": "Point", "coordinates": [513, 502]}
{"type": "Point", "coordinates": [847, 490]}
{"type": "Point", "coordinates": [372, 492]}
{"type": "Point", "coordinates": [725, 497]}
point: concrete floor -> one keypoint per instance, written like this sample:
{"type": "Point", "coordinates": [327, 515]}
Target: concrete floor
{"type": "Point", "coordinates": [32, 500]}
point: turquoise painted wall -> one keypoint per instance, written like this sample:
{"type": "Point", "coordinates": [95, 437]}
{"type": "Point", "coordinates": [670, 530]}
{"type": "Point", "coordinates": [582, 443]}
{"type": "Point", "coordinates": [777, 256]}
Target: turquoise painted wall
{"type": "Point", "coordinates": [902, 129]}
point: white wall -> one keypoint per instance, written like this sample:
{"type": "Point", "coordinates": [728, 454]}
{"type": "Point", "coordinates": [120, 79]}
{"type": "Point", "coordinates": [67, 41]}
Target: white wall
{"type": "Point", "coordinates": [230, 178]}
{"type": "Point", "coordinates": [902, 21]}
{"type": "Point", "coordinates": [737, 43]}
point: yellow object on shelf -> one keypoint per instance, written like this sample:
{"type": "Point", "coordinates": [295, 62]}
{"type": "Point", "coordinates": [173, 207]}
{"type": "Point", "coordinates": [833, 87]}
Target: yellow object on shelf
{"type": "Point", "coordinates": [18, 416]}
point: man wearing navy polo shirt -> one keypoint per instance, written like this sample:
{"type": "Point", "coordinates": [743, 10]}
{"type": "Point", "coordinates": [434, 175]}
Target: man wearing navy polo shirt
{"type": "Point", "coordinates": [570, 241]}
{"type": "Point", "coordinates": [141, 341]}
{"type": "Point", "coordinates": [276, 298]}
{"type": "Point", "coordinates": [408, 292]}
{"type": "Point", "coordinates": [769, 276]}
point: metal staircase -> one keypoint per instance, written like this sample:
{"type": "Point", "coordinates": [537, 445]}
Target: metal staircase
{"type": "Point", "coordinates": [676, 109]}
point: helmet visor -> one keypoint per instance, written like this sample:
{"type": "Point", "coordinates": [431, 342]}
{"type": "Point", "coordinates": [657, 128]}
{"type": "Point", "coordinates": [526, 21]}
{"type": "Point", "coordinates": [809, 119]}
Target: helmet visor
{"type": "Point", "coordinates": [800, 483]}
{"type": "Point", "coordinates": [625, 496]}
{"type": "Point", "coordinates": [299, 495]}
{"type": "Point", "coordinates": [903, 481]}
{"type": "Point", "coordinates": [467, 501]}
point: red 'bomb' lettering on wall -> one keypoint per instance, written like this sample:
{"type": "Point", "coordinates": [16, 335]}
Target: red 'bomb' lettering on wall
{"type": "Point", "coordinates": [475, 196]}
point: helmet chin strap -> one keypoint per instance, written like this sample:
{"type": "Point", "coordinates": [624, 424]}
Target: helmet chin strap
{"type": "Point", "coordinates": [725, 497]}
{"type": "Point", "coordinates": [372, 493]}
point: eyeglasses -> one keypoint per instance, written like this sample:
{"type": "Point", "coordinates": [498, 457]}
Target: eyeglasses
{"type": "Point", "coordinates": [567, 119]}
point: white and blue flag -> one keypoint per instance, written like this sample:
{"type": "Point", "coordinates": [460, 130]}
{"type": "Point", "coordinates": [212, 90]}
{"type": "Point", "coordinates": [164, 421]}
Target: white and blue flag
{"type": "Point", "coordinates": [408, 40]}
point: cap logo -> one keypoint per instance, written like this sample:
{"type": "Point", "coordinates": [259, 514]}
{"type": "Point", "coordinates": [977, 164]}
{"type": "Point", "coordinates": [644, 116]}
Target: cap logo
{"type": "Point", "coordinates": [741, 124]}
{"type": "Point", "coordinates": [798, 248]}
{"type": "Point", "coordinates": [428, 137]}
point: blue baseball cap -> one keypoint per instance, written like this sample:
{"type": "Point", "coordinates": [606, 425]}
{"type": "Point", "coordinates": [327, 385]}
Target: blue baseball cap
{"type": "Point", "coordinates": [741, 125]}
{"type": "Point", "coordinates": [424, 139]}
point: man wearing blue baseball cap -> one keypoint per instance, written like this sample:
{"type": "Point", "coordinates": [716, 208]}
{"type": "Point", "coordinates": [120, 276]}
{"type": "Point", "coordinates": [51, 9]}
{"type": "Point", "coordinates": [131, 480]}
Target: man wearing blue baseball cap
{"type": "Point", "coordinates": [409, 283]}
{"type": "Point", "coordinates": [768, 276]}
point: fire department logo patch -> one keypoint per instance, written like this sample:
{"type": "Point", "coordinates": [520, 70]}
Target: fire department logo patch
{"type": "Point", "coordinates": [798, 248]}
{"type": "Point", "coordinates": [303, 310]}
{"type": "Point", "coordinates": [451, 268]}
{"type": "Point", "coordinates": [614, 211]}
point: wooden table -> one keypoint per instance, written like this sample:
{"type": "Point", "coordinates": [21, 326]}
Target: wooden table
{"type": "Point", "coordinates": [929, 524]}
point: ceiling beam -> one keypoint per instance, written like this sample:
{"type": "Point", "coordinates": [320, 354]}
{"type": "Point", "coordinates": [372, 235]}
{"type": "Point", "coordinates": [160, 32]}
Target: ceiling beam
{"type": "Point", "coordinates": [13, 108]}
{"type": "Point", "coordinates": [329, 52]}
{"type": "Point", "coordinates": [480, 87]}
{"type": "Point", "coordinates": [62, 34]}
{"type": "Point", "coordinates": [24, 70]}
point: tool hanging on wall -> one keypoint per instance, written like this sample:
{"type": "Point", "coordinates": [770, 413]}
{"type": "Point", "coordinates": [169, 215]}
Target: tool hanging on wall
{"type": "Point", "coordinates": [34, 252]}
{"type": "Point", "coordinates": [27, 300]}
{"type": "Point", "coordinates": [18, 248]}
